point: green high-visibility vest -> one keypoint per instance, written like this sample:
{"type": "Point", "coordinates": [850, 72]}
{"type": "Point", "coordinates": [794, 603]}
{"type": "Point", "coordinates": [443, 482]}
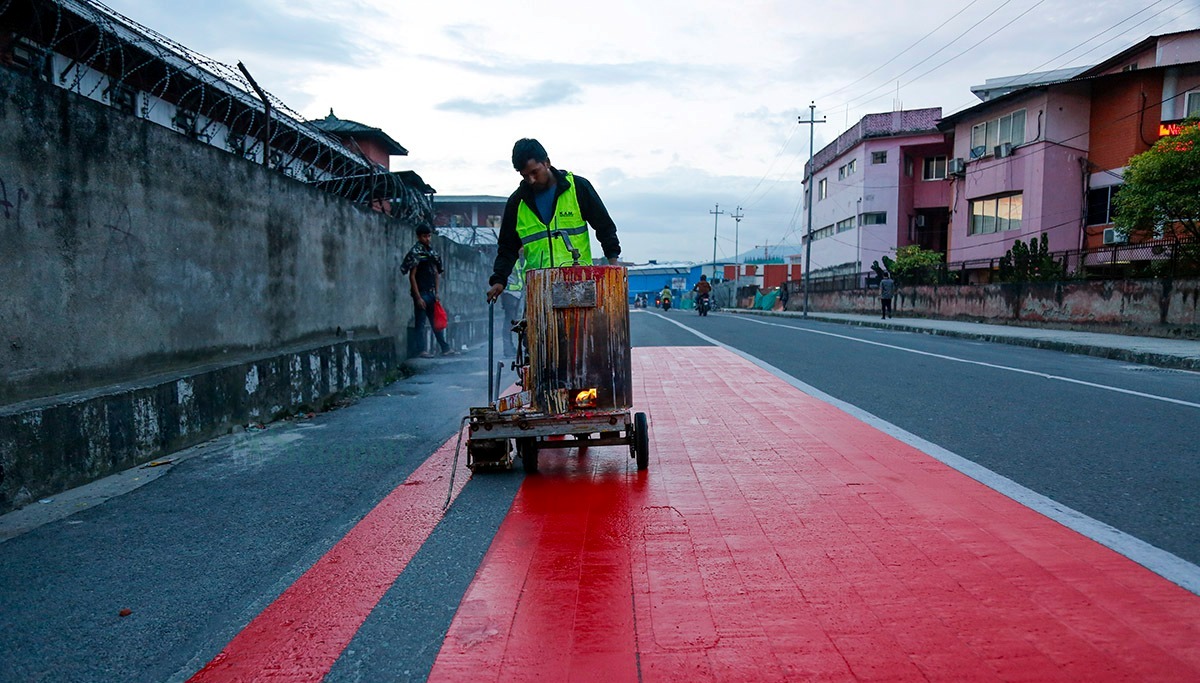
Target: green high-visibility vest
{"type": "Point", "coordinates": [543, 248]}
{"type": "Point", "coordinates": [516, 280]}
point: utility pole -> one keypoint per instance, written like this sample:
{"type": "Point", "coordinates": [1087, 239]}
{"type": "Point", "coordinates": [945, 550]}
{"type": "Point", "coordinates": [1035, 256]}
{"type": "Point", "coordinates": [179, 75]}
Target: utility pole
{"type": "Point", "coordinates": [716, 215]}
{"type": "Point", "coordinates": [737, 255]}
{"type": "Point", "coordinates": [858, 241]}
{"type": "Point", "coordinates": [812, 126]}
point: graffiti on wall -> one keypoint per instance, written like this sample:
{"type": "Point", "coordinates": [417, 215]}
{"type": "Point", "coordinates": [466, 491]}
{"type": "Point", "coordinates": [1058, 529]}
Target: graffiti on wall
{"type": "Point", "coordinates": [5, 203]}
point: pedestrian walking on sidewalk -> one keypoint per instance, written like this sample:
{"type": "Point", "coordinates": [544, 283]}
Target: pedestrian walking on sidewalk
{"type": "Point", "coordinates": [887, 290]}
{"type": "Point", "coordinates": [548, 206]}
{"type": "Point", "coordinates": [423, 266]}
{"type": "Point", "coordinates": [783, 296]}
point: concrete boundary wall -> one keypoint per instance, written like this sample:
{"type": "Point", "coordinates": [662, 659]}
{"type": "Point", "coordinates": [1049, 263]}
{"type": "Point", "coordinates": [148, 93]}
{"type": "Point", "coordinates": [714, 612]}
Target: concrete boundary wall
{"type": "Point", "coordinates": [1153, 308]}
{"type": "Point", "coordinates": [130, 253]}
{"type": "Point", "coordinates": [50, 445]}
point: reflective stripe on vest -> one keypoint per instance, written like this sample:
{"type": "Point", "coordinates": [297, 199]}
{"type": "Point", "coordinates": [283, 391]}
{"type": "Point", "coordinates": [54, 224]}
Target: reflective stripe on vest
{"type": "Point", "coordinates": [543, 248]}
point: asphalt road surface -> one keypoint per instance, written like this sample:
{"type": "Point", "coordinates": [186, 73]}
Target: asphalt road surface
{"type": "Point", "coordinates": [1127, 459]}
{"type": "Point", "coordinates": [198, 552]}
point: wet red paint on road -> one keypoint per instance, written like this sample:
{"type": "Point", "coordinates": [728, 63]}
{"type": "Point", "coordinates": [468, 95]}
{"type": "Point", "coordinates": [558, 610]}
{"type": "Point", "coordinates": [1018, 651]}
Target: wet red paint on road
{"type": "Point", "coordinates": [300, 635]}
{"type": "Point", "coordinates": [776, 538]}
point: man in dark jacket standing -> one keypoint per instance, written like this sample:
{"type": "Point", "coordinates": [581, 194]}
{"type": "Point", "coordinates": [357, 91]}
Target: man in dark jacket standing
{"type": "Point", "coordinates": [887, 290]}
{"type": "Point", "coordinates": [549, 209]}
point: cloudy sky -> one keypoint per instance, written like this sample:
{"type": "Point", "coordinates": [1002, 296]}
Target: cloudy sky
{"type": "Point", "coordinates": [669, 107]}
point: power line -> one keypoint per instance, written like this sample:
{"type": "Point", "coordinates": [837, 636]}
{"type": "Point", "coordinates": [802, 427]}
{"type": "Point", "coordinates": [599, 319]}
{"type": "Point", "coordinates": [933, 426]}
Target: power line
{"type": "Point", "coordinates": [960, 54]}
{"type": "Point", "coordinates": [902, 52]}
{"type": "Point", "coordinates": [889, 81]}
{"type": "Point", "coordinates": [1088, 40]}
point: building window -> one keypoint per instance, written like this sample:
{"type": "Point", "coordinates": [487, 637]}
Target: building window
{"type": "Point", "coordinates": [841, 172]}
{"type": "Point", "coordinates": [823, 188]}
{"type": "Point", "coordinates": [844, 225]}
{"type": "Point", "coordinates": [996, 214]}
{"type": "Point", "coordinates": [1132, 66]}
{"type": "Point", "coordinates": [1191, 106]}
{"type": "Point", "coordinates": [824, 232]}
{"type": "Point", "coordinates": [875, 218]}
{"type": "Point", "coordinates": [908, 166]}
{"type": "Point", "coordinates": [1100, 205]}
{"type": "Point", "coordinates": [935, 168]}
{"type": "Point", "coordinates": [987, 135]}
{"type": "Point", "coordinates": [852, 167]}
{"type": "Point", "coordinates": [878, 157]}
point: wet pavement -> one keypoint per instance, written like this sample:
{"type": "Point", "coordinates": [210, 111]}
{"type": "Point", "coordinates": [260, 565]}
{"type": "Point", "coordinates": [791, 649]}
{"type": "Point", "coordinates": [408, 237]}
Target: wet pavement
{"type": "Point", "coordinates": [778, 535]}
{"type": "Point", "coordinates": [1156, 351]}
{"type": "Point", "coordinates": [778, 538]}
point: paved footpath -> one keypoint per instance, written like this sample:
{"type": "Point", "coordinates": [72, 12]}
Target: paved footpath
{"type": "Point", "coordinates": [774, 538]}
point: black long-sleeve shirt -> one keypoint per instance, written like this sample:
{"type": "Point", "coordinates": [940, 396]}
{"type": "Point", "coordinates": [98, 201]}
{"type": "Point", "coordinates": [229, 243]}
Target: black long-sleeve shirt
{"type": "Point", "coordinates": [590, 206]}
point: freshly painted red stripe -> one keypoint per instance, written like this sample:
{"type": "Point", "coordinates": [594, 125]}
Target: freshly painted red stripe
{"type": "Point", "coordinates": [300, 635]}
{"type": "Point", "coordinates": [776, 538]}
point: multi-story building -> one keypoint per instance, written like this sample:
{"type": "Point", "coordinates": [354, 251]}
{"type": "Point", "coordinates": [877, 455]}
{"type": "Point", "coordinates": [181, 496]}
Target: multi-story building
{"type": "Point", "coordinates": [1138, 96]}
{"type": "Point", "coordinates": [878, 186]}
{"type": "Point", "coordinates": [469, 219]}
{"type": "Point", "coordinates": [1047, 159]}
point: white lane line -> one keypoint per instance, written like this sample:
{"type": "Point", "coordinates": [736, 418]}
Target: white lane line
{"type": "Point", "coordinates": [1059, 378]}
{"type": "Point", "coordinates": [1167, 565]}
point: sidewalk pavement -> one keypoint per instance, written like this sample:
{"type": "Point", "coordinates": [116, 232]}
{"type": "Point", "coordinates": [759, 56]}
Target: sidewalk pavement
{"type": "Point", "coordinates": [1166, 353]}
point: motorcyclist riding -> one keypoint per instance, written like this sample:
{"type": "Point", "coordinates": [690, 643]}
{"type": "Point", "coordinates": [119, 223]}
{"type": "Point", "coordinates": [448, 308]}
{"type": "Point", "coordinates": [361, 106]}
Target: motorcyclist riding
{"type": "Point", "coordinates": [703, 290]}
{"type": "Point", "coordinates": [666, 298]}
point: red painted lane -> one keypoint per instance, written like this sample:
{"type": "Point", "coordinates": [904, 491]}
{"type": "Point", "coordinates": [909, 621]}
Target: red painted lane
{"type": "Point", "coordinates": [776, 538]}
{"type": "Point", "coordinates": [300, 635]}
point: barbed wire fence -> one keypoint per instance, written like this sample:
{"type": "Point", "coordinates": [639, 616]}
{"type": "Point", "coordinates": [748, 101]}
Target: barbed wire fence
{"type": "Point", "coordinates": [88, 48]}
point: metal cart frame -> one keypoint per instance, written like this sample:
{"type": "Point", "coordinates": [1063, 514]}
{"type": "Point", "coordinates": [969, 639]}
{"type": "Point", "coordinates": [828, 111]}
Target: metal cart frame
{"type": "Point", "coordinates": [537, 418]}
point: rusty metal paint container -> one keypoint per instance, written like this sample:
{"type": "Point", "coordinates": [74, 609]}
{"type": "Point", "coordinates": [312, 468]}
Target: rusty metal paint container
{"type": "Point", "coordinates": [578, 335]}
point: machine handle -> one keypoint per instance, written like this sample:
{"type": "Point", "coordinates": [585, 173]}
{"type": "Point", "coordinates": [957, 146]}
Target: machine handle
{"type": "Point", "coordinates": [570, 247]}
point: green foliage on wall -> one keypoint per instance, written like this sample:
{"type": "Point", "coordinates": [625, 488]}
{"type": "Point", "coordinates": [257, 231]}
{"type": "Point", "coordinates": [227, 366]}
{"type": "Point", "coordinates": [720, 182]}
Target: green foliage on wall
{"type": "Point", "coordinates": [1162, 187]}
{"type": "Point", "coordinates": [1031, 262]}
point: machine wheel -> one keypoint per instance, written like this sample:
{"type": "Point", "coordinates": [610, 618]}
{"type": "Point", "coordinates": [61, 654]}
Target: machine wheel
{"type": "Point", "coordinates": [641, 441]}
{"type": "Point", "coordinates": [528, 450]}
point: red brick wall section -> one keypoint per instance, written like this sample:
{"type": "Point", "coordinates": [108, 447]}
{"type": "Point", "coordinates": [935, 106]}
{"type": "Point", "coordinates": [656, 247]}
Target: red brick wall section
{"type": "Point", "coordinates": [1124, 121]}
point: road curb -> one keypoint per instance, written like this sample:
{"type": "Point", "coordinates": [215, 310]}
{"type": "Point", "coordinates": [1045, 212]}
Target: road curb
{"type": "Point", "coordinates": [1160, 360]}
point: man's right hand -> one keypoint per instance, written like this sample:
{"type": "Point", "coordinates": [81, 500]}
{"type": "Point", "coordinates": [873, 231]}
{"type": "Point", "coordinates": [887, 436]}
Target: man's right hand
{"type": "Point", "coordinates": [495, 291]}
{"type": "Point", "coordinates": [419, 301]}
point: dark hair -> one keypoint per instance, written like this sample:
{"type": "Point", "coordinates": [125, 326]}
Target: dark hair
{"type": "Point", "coordinates": [526, 149]}
{"type": "Point", "coordinates": [704, 278]}
{"type": "Point", "coordinates": [424, 229]}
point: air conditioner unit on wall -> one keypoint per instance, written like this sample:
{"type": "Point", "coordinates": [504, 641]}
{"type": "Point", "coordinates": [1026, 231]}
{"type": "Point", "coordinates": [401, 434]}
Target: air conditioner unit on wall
{"type": "Point", "coordinates": [956, 167]}
{"type": "Point", "coordinates": [1114, 236]}
{"type": "Point", "coordinates": [1004, 149]}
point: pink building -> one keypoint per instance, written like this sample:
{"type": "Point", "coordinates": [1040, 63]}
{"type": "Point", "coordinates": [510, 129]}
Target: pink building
{"type": "Point", "coordinates": [1036, 160]}
{"type": "Point", "coordinates": [879, 186]}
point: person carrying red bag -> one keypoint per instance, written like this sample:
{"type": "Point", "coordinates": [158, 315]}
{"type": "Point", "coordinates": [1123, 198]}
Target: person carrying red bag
{"type": "Point", "coordinates": [424, 269]}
